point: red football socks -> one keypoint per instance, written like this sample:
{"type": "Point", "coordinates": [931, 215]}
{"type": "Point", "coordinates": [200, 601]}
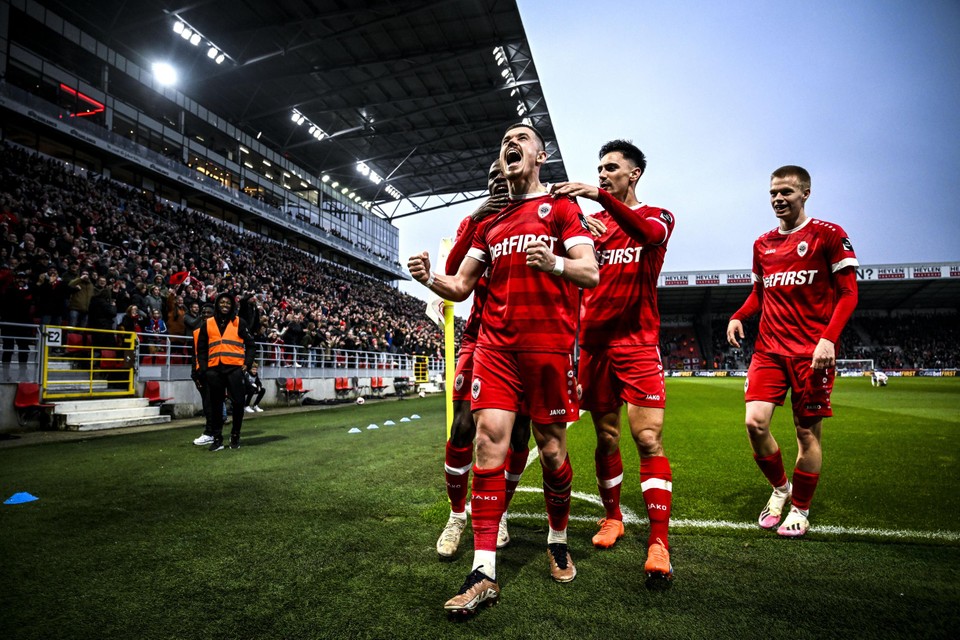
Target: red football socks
{"type": "Point", "coordinates": [804, 484]}
{"type": "Point", "coordinates": [456, 467]}
{"type": "Point", "coordinates": [772, 468]}
{"type": "Point", "coordinates": [609, 482]}
{"type": "Point", "coordinates": [556, 493]}
{"type": "Point", "coordinates": [487, 505]}
{"type": "Point", "coordinates": [516, 463]}
{"type": "Point", "coordinates": [656, 481]}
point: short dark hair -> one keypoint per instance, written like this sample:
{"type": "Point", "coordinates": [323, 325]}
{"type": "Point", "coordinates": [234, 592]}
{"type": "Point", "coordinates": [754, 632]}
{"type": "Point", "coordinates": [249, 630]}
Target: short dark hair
{"type": "Point", "coordinates": [801, 174]}
{"type": "Point", "coordinates": [629, 151]}
{"type": "Point", "coordinates": [536, 132]}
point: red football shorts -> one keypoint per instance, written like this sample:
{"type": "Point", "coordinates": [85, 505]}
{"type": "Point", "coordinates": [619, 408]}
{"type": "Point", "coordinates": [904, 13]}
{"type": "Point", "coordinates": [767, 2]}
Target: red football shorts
{"type": "Point", "coordinates": [540, 385]}
{"type": "Point", "coordinates": [464, 374]}
{"type": "Point", "coordinates": [615, 375]}
{"type": "Point", "coordinates": [770, 376]}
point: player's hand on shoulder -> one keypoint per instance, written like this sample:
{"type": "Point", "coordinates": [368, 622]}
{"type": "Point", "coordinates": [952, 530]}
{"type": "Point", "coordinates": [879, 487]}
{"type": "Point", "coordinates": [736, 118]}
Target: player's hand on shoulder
{"type": "Point", "coordinates": [574, 190]}
{"type": "Point", "coordinates": [490, 206]}
{"type": "Point", "coordinates": [596, 227]}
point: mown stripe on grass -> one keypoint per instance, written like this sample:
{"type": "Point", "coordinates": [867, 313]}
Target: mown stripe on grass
{"type": "Point", "coordinates": [687, 523]}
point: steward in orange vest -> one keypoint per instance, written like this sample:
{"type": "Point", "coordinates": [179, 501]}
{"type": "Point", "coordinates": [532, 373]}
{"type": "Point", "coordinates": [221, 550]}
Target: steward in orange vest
{"type": "Point", "coordinates": [225, 350]}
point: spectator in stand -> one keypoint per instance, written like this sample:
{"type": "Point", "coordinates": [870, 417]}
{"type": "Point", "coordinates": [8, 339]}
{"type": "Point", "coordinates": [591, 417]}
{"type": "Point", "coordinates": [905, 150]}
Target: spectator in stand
{"type": "Point", "coordinates": [192, 318]}
{"type": "Point", "coordinates": [133, 321]}
{"type": "Point", "coordinates": [153, 300]}
{"type": "Point", "coordinates": [50, 296]}
{"type": "Point", "coordinates": [175, 314]}
{"type": "Point", "coordinates": [15, 303]}
{"type": "Point", "coordinates": [121, 298]}
{"type": "Point", "coordinates": [103, 315]}
{"type": "Point", "coordinates": [155, 331]}
{"type": "Point", "coordinates": [81, 291]}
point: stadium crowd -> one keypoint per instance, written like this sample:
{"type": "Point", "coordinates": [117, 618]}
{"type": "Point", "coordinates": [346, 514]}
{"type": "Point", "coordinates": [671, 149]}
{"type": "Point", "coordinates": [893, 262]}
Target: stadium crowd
{"type": "Point", "coordinates": [906, 341]}
{"type": "Point", "coordinates": [87, 251]}
{"type": "Point", "coordinates": [150, 266]}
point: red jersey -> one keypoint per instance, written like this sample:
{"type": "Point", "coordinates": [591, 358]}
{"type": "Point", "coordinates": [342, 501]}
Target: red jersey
{"type": "Point", "coordinates": [795, 275]}
{"type": "Point", "coordinates": [461, 244]}
{"type": "Point", "coordinates": [622, 309]}
{"type": "Point", "coordinates": [527, 309]}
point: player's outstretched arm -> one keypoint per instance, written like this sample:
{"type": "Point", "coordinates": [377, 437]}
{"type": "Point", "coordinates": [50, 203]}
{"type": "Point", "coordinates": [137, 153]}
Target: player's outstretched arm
{"type": "Point", "coordinates": [647, 229]}
{"type": "Point", "coordinates": [455, 288]}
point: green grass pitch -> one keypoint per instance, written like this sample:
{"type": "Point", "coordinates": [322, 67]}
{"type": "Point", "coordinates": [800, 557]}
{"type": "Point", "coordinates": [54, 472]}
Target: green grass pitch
{"type": "Point", "coordinates": [309, 531]}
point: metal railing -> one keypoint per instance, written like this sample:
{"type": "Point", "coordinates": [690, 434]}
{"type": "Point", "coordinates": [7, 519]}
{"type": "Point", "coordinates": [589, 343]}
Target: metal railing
{"type": "Point", "coordinates": [170, 357]}
{"type": "Point", "coordinates": [79, 362]}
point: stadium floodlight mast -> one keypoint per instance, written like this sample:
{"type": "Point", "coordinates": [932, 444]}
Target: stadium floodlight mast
{"type": "Point", "coordinates": [194, 37]}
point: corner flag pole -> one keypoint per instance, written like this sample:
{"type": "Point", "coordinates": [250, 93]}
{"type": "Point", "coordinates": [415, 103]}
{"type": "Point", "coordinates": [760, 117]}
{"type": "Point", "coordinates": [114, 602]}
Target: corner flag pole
{"type": "Point", "coordinates": [449, 358]}
{"type": "Point", "coordinates": [441, 312]}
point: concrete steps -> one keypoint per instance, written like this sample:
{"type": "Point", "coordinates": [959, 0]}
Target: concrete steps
{"type": "Point", "coordinates": [95, 415]}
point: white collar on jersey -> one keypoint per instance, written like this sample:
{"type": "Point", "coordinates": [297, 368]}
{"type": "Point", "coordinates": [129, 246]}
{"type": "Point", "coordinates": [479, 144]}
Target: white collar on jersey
{"type": "Point", "coordinates": [795, 229]}
{"type": "Point", "coordinates": [535, 194]}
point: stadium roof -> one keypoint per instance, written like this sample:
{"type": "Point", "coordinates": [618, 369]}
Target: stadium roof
{"type": "Point", "coordinates": [418, 90]}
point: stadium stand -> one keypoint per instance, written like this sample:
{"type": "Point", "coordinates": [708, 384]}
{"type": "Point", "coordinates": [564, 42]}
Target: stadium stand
{"type": "Point", "coordinates": [53, 218]}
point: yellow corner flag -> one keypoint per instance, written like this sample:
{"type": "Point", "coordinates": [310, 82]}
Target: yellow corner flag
{"type": "Point", "coordinates": [441, 312]}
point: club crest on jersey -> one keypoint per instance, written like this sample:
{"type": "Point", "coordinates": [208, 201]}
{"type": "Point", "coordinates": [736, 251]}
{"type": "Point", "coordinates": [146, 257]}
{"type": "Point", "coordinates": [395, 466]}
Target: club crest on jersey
{"type": "Point", "coordinates": [544, 210]}
{"type": "Point", "coordinates": [665, 216]}
{"type": "Point", "coordinates": [458, 382]}
{"type": "Point", "coordinates": [475, 389]}
{"type": "Point", "coordinates": [847, 245]}
{"type": "Point", "coordinates": [802, 248]}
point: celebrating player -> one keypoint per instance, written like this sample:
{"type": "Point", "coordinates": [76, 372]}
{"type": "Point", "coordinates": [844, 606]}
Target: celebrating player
{"type": "Point", "coordinates": [458, 455]}
{"type": "Point", "coordinates": [805, 288]}
{"type": "Point", "coordinates": [538, 251]}
{"type": "Point", "coordinates": [619, 354]}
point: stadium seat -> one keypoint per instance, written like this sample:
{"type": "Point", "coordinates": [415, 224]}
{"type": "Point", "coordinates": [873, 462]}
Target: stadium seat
{"type": "Point", "coordinates": [110, 359]}
{"type": "Point", "coordinates": [151, 391]}
{"type": "Point", "coordinates": [295, 390]}
{"type": "Point", "coordinates": [378, 386]}
{"type": "Point", "coordinates": [344, 387]}
{"type": "Point", "coordinates": [74, 347]}
{"type": "Point", "coordinates": [27, 403]}
{"type": "Point", "coordinates": [298, 387]}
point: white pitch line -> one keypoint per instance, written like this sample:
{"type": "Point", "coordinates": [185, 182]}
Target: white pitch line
{"type": "Point", "coordinates": [684, 523]}
{"type": "Point", "coordinates": [629, 517]}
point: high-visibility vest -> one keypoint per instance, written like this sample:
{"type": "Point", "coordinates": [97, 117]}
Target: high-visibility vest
{"type": "Point", "coordinates": [227, 348]}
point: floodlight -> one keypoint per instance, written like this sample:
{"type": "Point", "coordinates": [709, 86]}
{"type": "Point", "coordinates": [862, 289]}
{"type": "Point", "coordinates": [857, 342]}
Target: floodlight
{"type": "Point", "coordinates": [178, 27]}
{"type": "Point", "coordinates": [220, 58]}
{"type": "Point", "coordinates": [195, 39]}
{"type": "Point", "coordinates": [212, 52]}
{"type": "Point", "coordinates": [186, 33]}
{"type": "Point", "coordinates": [325, 178]}
{"type": "Point", "coordinates": [164, 73]}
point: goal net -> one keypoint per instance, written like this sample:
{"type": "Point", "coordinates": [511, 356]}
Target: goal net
{"type": "Point", "coordinates": [854, 367]}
